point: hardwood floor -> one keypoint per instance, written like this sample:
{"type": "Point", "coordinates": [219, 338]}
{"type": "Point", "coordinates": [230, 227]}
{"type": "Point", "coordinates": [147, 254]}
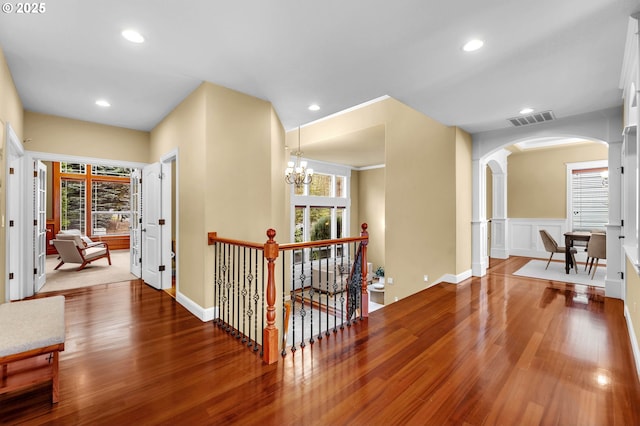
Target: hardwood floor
{"type": "Point", "coordinates": [497, 350]}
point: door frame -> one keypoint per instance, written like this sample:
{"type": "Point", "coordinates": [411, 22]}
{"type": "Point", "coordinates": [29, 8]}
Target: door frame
{"type": "Point", "coordinates": [169, 199]}
{"type": "Point", "coordinates": [40, 225]}
{"type": "Point", "coordinates": [15, 257]}
{"type": "Point", "coordinates": [28, 285]}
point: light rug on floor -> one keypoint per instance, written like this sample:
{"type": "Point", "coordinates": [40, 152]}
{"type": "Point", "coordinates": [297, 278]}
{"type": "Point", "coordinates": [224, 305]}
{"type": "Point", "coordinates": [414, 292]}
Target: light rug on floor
{"type": "Point", "coordinates": [98, 272]}
{"type": "Point", "coordinates": [556, 272]}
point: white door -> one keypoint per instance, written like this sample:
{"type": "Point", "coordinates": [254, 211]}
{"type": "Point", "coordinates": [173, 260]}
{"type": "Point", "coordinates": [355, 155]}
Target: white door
{"type": "Point", "coordinates": [40, 228]}
{"type": "Point", "coordinates": [151, 226]}
{"type": "Point", "coordinates": [135, 245]}
{"type": "Point", "coordinates": [16, 221]}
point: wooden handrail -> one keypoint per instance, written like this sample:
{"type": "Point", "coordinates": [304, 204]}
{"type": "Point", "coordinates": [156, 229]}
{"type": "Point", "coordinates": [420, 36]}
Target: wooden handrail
{"type": "Point", "coordinates": [320, 243]}
{"type": "Point", "coordinates": [212, 238]}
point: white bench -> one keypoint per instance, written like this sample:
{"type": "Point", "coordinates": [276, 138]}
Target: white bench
{"type": "Point", "coordinates": [28, 330]}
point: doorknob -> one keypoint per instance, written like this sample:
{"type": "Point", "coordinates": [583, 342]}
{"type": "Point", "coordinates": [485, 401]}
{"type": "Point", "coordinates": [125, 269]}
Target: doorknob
{"type": "Point", "coordinates": [144, 229]}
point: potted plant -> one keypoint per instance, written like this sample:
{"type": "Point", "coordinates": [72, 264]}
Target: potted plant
{"type": "Point", "coordinates": [380, 274]}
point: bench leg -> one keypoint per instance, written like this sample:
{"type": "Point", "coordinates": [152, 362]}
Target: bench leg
{"type": "Point", "coordinates": [55, 384]}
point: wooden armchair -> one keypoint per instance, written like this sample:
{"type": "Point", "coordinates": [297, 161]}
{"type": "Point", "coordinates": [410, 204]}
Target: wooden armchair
{"type": "Point", "coordinates": [63, 235]}
{"type": "Point", "coordinates": [72, 249]}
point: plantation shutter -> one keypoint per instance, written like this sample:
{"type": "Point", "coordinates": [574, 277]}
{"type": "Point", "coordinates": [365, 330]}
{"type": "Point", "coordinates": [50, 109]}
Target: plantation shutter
{"type": "Point", "coordinates": [590, 199]}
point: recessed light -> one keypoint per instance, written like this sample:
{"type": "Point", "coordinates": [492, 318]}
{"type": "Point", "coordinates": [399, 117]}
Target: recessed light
{"type": "Point", "coordinates": [524, 111]}
{"type": "Point", "coordinates": [473, 45]}
{"type": "Point", "coordinates": [103, 103]}
{"type": "Point", "coordinates": [133, 36]}
{"type": "Point", "coordinates": [314, 107]}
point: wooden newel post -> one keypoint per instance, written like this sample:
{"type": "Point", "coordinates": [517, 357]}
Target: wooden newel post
{"type": "Point", "coordinates": [365, 271]}
{"type": "Point", "coordinates": [270, 333]}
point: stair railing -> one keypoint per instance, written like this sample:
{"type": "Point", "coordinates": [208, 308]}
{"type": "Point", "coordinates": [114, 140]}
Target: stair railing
{"type": "Point", "coordinates": [316, 285]}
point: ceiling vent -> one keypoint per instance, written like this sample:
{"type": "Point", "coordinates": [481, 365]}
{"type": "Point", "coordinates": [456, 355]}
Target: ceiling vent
{"type": "Point", "coordinates": [538, 117]}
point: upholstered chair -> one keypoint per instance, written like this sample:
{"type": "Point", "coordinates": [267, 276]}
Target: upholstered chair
{"type": "Point", "coordinates": [552, 247]}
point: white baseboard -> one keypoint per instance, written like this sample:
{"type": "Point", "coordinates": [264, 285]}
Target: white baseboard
{"type": "Point", "coordinates": [499, 253]}
{"type": "Point", "coordinates": [634, 342]}
{"type": "Point", "coordinates": [205, 315]}
{"type": "Point", "coordinates": [613, 288]}
{"type": "Point", "coordinates": [454, 279]}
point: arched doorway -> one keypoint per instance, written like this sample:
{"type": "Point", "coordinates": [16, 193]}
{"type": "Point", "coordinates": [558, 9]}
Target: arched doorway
{"type": "Point", "coordinates": [604, 126]}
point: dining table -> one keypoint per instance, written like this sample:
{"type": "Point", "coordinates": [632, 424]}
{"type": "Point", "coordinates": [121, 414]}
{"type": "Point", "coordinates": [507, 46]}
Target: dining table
{"type": "Point", "coordinates": [569, 238]}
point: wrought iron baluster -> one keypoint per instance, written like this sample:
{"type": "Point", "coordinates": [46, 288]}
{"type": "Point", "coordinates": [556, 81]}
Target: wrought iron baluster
{"type": "Point", "coordinates": [234, 264]}
{"type": "Point", "coordinates": [302, 310]}
{"type": "Point", "coordinates": [285, 326]}
{"type": "Point", "coordinates": [294, 296]}
{"type": "Point", "coordinates": [250, 311]}
{"type": "Point", "coordinates": [335, 291]}
{"type": "Point", "coordinates": [329, 286]}
{"type": "Point", "coordinates": [215, 282]}
{"type": "Point", "coordinates": [355, 289]}
{"type": "Point", "coordinates": [239, 280]}
{"type": "Point", "coordinates": [225, 301]}
{"type": "Point", "coordinates": [244, 295]}
{"type": "Point", "coordinates": [312, 293]}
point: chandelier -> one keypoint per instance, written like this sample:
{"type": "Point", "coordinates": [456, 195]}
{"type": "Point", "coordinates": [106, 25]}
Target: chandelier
{"type": "Point", "coordinates": [297, 172]}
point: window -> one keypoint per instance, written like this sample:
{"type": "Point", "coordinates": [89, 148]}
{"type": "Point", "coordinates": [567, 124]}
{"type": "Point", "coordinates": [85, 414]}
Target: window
{"type": "Point", "coordinates": [94, 199]}
{"type": "Point", "coordinates": [110, 208]}
{"type": "Point", "coordinates": [589, 198]}
{"type": "Point", "coordinates": [72, 204]}
{"type": "Point", "coordinates": [320, 209]}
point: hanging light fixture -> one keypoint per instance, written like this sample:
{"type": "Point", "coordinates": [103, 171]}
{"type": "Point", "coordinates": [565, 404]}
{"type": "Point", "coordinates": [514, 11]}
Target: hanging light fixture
{"type": "Point", "coordinates": [297, 172]}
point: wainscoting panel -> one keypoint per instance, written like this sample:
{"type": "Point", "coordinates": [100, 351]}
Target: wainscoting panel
{"type": "Point", "coordinates": [525, 238]}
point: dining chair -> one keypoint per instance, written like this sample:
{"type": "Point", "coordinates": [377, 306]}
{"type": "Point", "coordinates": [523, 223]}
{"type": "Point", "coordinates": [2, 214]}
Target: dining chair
{"type": "Point", "coordinates": [552, 247]}
{"type": "Point", "coordinates": [586, 248]}
{"type": "Point", "coordinates": [596, 250]}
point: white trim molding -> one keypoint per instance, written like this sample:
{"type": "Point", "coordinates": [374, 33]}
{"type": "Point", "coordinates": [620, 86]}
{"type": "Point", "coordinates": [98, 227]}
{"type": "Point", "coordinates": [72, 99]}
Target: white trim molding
{"type": "Point", "coordinates": [632, 337]}
{"type": "Point", "coordinates": [205, 314]}
{"type": "Point", "coordinates": [453, 279]}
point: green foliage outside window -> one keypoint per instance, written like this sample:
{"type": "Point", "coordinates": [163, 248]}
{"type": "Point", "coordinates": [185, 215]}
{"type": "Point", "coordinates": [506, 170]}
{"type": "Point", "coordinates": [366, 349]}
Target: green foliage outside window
{"type": "Point", "coordinates": [321, 230]}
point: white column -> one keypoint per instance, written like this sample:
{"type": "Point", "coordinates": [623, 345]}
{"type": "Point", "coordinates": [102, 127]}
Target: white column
{"type": "Point", "coordinates": [615, 249]}
{"type": "Point", "coordinates": [479, 259]}
{"type": "Point", "coordinates": [499, 220]}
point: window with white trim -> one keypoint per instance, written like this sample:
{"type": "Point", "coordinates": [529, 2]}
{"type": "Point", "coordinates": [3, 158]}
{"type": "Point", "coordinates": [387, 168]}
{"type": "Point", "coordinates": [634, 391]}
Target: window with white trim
{"type": "Point", "coordinates": [588, 189]}
{"type": "Point", "coordinates": [320, 210]}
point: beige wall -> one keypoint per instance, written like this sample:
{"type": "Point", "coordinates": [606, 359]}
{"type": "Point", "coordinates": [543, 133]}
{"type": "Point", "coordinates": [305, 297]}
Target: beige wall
{"type": "Point", "coordinates": [464, 195]}
{"type": "Point", "coordinates": [185, 129]}
{"type": "Point", "coordinates": [10, 104]}
{"type": "Point", "coordinates": [228, 142]}
{"type": "Point", "coordinates": [371, 201]}
{"type": "Point", "coordinates": [422, 229]}
{"type": "Point", "coordinates": [59, 135]}
{"type": "Point", "coordinates": [537, 179]}
{"type": "Point", "coordinates": [420, 191]}
{"type": "Point", "coordinates": [633, 298]}
{"type": "Point", "coordinates": [10, 113]}
{"type": "Point", "coordinates": [245, 162]}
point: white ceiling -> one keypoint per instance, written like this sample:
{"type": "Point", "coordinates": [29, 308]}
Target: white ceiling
{"type": "Point", "coordinates": [559, 55]}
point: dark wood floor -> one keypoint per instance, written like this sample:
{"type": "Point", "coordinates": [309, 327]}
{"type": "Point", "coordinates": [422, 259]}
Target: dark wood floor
{"type": "Point", "coordinates": [497, 350]}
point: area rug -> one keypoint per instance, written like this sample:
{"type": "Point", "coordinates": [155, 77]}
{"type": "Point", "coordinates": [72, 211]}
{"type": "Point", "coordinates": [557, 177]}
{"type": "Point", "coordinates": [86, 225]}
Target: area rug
{"type": "Point", "coordinates": [536, 269]}
{"type": "Point", "coordinates": [98, 272]}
